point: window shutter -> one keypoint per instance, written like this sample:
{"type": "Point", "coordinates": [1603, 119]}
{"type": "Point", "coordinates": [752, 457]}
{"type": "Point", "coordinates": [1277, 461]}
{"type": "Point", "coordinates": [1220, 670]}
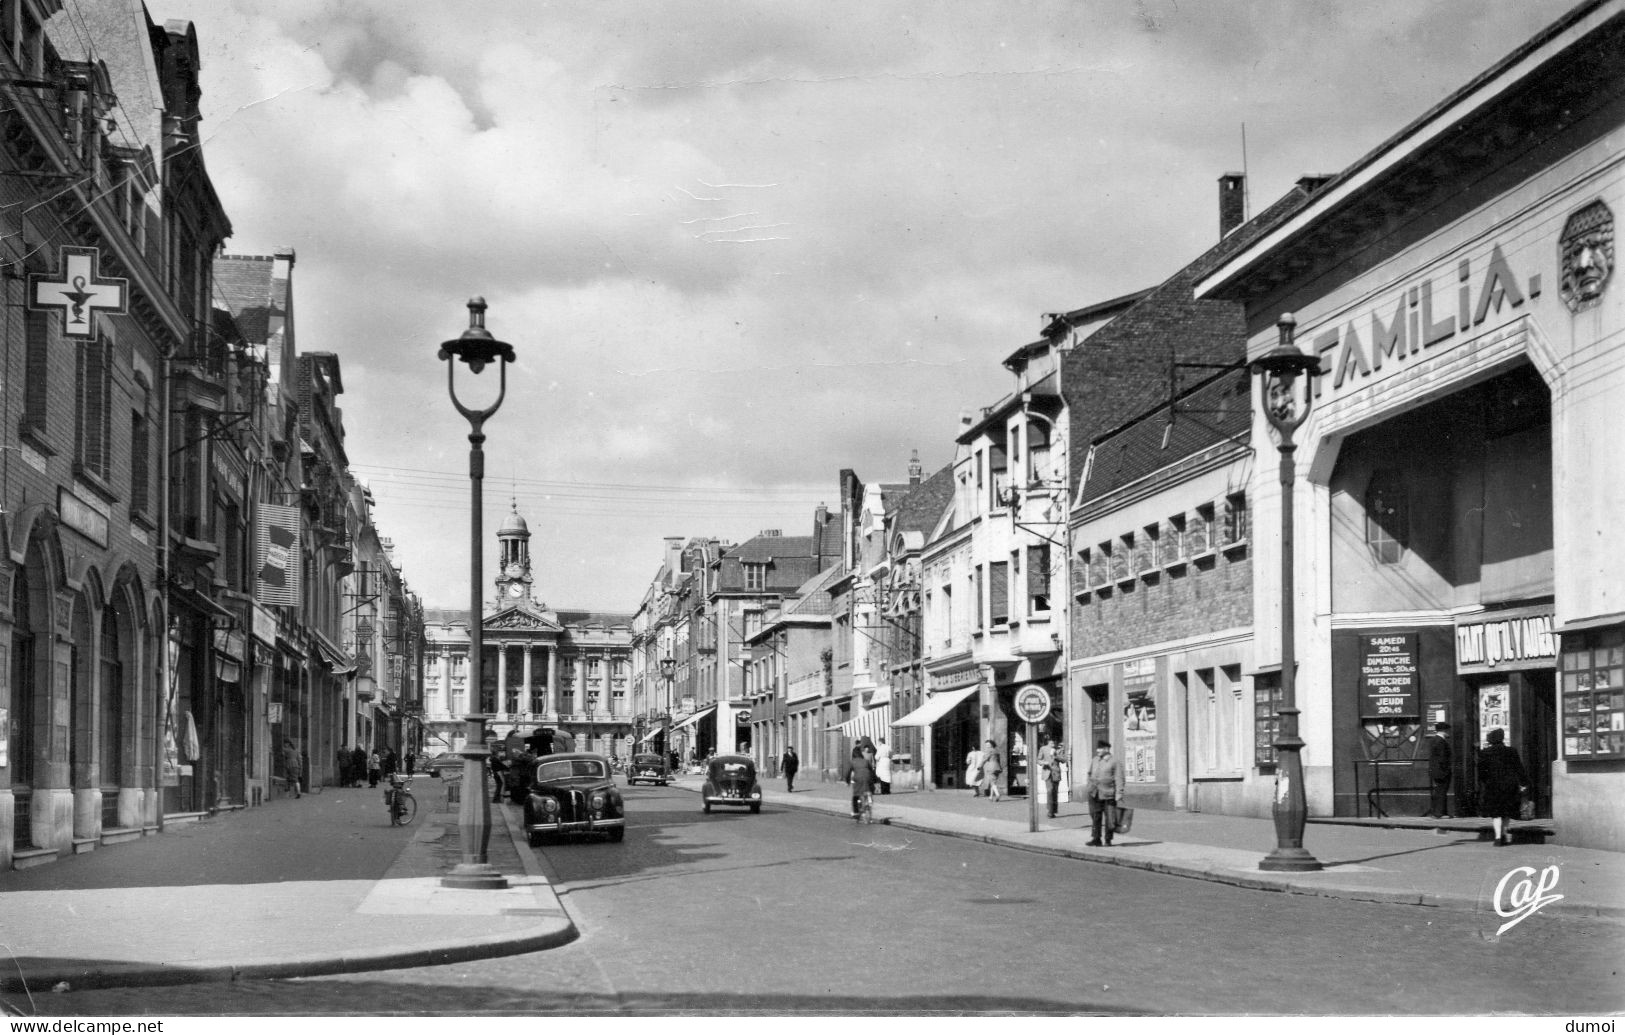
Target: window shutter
{"type": "Point", "coordinates": [999, 591]}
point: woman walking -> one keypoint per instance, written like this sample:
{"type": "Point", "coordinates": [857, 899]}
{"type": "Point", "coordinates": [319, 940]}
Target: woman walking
{"type": "Point", "coordinates": [973, 771]}
{"type": "Point", "coordinates": [1505, 782]}
{"type": "Point", "coordinates": [992, 767]}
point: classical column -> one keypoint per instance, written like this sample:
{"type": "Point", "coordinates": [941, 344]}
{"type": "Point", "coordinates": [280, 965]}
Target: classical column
{"type": "Point", "coordinates": [501, 676]}
{"type": "Point", "coordinates": [445, 682]}
{"type": "Point", "coordinates": [553, 680]}
{"type": "Point", "coordinates": [527, 698]}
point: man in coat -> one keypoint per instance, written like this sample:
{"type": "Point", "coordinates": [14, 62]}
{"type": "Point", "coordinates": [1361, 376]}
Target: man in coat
{"type": "Point", "coordinates": [788, 765]}
{"type": "Point", "coordinates": [1050, 757]}
{"type": "Point", "coordinates": [1439, 758]}
{"type": "Point", "coordinates": [1103, 786]}
{"type": "Point", "coordinates": [293, 765]}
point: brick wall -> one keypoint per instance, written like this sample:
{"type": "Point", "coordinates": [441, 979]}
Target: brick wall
{"type": "Point", "coordinates": [1202, 596]}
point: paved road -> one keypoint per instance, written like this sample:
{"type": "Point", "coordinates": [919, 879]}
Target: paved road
{"type": "Point", "coordinates": [794, 913]}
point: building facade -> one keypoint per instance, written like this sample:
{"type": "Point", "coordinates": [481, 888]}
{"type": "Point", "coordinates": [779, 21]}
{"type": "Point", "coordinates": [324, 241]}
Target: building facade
{"type": "Point", "coordinates": [1456, 477]}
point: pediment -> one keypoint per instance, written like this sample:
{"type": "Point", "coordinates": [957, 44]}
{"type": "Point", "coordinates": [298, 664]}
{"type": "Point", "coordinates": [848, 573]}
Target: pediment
{"type": "Point", "coordinates": [520, 618]}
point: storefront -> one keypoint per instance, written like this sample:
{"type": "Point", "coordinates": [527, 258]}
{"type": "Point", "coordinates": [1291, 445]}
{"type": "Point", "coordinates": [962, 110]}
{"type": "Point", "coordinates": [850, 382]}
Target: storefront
{"type": "Point", "coordinates": [1457, 477]}
{"type": "Point", "coordinates": [950, 721]}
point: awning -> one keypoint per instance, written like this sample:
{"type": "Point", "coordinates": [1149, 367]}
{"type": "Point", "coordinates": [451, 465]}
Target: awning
{"type": "Point", "coordinates": [871, 724]}
{"type": "Point", "coordinates": [340, 663]}
{"type": "Point", "coordinates": [881, 695]}
{"type": "Point", "coordinates": [651, 735]}
{"type": "Point", "coordinates": [696, 717]}
{"type": "Point", "coordinates": [936, 707]}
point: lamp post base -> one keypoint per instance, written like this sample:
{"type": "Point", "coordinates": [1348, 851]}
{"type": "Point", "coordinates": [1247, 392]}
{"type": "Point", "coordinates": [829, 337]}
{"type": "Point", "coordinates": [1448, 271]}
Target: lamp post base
{"type": "Point", "coordinates": [475, 876]}
{"type": "Point", "coordinates": [1289, 860]}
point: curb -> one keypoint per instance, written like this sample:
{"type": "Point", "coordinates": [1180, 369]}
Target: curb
{"type": "Point", "coordinates": [1260, 882]}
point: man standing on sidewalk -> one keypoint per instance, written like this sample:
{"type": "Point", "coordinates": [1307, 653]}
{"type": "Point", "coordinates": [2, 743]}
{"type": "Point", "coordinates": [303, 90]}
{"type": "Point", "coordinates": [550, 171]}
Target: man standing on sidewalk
{"type": "Point", "coordinates": [1104, 788]}
{"type": "Point", "coordinates": [1050, 757]}
{"type": "Point", "coordinates": [1439, 758]}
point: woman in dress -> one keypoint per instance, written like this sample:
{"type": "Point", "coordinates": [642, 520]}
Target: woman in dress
{"type": "Point", "coordinates": [1501, 773]}
{"type": "Point", "coordinates": [973, 771]}
{"type": "Point", "coordinates": [992, 767]}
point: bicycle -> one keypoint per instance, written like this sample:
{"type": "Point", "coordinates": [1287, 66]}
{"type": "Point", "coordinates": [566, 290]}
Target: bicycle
{"type": "Point", "coordinates": [403, 808]}
{"type": "Point", "coordinates": [866, 808]}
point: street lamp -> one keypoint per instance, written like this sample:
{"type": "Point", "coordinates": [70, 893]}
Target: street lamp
{"type": "Point", "coordinates": [592, 706]}
{"type": "Point", "coordinates": [1280, 370]}
{"type": "Point", "coordinates": [668, 669]}
{"type": "Point", "coordinates": [477, 348]}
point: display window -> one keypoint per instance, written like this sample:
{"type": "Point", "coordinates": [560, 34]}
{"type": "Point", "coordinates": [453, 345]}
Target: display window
{"type": "Point", "coordinates": [1593, 670]}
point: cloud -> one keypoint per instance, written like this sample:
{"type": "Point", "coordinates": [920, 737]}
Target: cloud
{"type": "Point", "coordinates": [740, 247]}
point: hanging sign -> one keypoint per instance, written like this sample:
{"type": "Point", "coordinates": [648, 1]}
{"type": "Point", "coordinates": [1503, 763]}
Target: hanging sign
{"type": "Point", "coordinates": [78, 291]}
{"type": "Point", "coordinates": [1032, 704]}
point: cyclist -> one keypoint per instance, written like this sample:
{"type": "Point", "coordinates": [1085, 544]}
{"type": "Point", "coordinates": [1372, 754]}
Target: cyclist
{"type": "Point", "coordinates": [398, 798]}
{"type": "Point", "coordinates": [860, 773]}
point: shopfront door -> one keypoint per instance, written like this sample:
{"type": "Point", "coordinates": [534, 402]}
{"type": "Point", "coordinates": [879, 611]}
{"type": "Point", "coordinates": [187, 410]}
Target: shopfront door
{"type": "Point", "coordinates": [1523, 705]}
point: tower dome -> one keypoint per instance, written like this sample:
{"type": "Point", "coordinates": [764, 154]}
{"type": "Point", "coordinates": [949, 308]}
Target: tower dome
{"type": "Point", "coordinates": [514, 525]}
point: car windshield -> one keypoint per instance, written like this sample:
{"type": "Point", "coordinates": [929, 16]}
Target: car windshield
{"type": "Point", "coordinates": [647, 760]}
{"type": "Point", "coordinates": [731, 767]}
{"type": "Point", "coordinates": [569, 769]}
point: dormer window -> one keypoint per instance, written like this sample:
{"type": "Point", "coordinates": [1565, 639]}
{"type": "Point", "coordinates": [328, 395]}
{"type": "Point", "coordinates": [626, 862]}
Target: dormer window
{"type": "Point", "coordinates": [755, 576]}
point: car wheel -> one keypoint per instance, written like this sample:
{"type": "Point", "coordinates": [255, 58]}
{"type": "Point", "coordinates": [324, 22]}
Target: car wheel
{"type": "Point", "coordinates": [755, 809]}
{"type": "Point", "coordinates": [618, 834]}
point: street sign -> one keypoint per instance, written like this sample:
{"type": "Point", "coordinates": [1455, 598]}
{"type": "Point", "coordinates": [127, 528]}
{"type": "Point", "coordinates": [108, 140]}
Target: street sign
{"type": "Point", "coordinates": [1032, 704]}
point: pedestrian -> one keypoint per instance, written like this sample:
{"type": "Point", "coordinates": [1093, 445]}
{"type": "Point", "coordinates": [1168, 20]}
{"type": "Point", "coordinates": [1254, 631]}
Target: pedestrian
{"type": "Point", "coordinates": [789, 764]}
{"type": "Point", "coordinates": [1439, 756]}
{"type": "Point", "coordinates": [411, 762]}
{"type": "Point", "coordinates": [992, 769]}
{"type": "Point", "coordinates": [973, 771]}
{"type": "Point", "coordinates": [1050, 757]}
{"type": "Point", "coordinates": [291, 766]}
{"type": "Point", "coordinates": [358, 765]}
{"type": "Point", "coordinates": [390, 762]}
{"type": "Point", "coordinates": [1505, 782]}
{"type": "Point", "coordinates": [499, 768]}
{"type": "Point", "coordinates": [860, 773]}
{"type": "Point", "coordinates": [1103, 786]}
{"type": "Point", "coordinates": [375, 768]}
{"type": "Point", "coordinates": [883, 766]}
{"type": "Point", "coordinates": [344, 767]}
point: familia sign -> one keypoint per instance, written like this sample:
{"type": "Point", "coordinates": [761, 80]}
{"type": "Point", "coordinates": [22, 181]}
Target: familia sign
{"type": "Point", "coordinates": [1388, 677]}
{"type": "Point", "coordinates": [1414, 320]}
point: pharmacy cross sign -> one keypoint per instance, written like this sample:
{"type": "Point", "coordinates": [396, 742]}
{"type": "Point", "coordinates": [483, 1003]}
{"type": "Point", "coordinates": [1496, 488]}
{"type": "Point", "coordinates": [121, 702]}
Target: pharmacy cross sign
{"type": "Point", "coordinates": [78, 292]}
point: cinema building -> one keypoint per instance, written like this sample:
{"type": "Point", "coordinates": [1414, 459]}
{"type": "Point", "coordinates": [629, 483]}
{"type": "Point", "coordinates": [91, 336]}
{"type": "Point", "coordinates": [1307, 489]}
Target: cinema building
{"type": "Point", "coordinates": [1459, 489]}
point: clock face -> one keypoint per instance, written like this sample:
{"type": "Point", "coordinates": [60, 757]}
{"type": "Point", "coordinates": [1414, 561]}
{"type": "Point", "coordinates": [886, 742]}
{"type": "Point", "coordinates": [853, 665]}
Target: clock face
{"type": "Point", "coordinates": [516, 590]}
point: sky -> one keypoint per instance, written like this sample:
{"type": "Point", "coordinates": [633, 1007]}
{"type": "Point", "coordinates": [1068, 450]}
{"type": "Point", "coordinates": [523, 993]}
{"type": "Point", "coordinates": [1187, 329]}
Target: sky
{"type": "Point", "coordinates": [739, 246]}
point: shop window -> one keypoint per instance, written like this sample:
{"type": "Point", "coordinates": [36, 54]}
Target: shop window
{"type": "Point", "coordinates": [1387, 517]}
{"type": "Point", "coordinates": [1593, 673]}
{"type": "Point", "coordinates": [1266, 718]}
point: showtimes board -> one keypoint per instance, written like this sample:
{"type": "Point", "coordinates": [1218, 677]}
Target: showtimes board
{"type": "Point", "coordinates": [1388, 677]}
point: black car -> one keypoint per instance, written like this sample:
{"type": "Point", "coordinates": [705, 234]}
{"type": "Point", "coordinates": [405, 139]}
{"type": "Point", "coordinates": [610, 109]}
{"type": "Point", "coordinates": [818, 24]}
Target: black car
{"type": "Point", "coordinates": [731, 780]}
{"type": "Point", "coordinates": [574, 794]}
{"type": "Point", "coordinates": [649, 768]}
{"type": "Point", "coordinates": [444, 765]}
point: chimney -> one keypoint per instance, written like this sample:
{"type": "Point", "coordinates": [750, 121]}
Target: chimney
{"type": "Point", "coordinates": [820, 519]}
{"type": "Point", "coordinates": [1232, 202]}
{"type": "Point", "coordinates": [916, 471]}
{"type": "Point", "coordinates": [1312, 182]}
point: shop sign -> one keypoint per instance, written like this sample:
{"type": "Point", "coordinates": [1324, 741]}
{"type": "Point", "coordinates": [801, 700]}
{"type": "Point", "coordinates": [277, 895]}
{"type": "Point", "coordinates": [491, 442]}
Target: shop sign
{"type": "Point", "coordinates": [1415, 319]}
{"type": "Point", "coordinates": [82, 516]}
{"type": "Point", "coordinates": [264, 626]}
{"type": "Point", "coordinates": [1508, 642]}
{"type": "Point", "coordinates": [953, 679]}
{"type": "Point", "coordinates": [1388, 677]}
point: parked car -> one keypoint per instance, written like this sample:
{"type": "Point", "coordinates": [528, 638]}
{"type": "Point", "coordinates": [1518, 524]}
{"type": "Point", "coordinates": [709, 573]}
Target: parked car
{"type": "Point", "coordinates": [731, 780]}
{"type": "Point", "coordinates": [441, 765]}
{"type": "Point", "coordinates": [649, 768]}
{"type": "Point", "coordinates": [574, 794]}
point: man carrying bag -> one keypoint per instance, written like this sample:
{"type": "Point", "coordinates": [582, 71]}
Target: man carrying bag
{"type": "Point", "coordinates": [1103, 787]}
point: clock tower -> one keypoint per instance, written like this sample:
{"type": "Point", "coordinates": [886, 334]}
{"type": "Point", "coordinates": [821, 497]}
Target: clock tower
{"type": "Point", "coordinates": [513, 565]}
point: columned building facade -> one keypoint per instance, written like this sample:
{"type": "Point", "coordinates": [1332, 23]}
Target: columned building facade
{"type": "Point", "coordinates": [566, 670]}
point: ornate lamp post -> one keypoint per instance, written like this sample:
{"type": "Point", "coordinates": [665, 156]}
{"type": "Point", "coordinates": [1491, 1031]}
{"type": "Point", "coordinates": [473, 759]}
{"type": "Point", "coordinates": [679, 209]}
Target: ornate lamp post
{"type": "Point", "coordinates": [592, 706]}
{"type": "Point", "coordinates": [1281, 369]}
{"type": "Point", "coordinates": [668, 669]}
{"type": "Point", "coordinates": [477, 348]}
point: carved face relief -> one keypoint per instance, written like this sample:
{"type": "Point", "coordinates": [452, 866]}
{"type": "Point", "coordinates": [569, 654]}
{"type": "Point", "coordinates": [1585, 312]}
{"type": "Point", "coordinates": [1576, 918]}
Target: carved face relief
{"type": "Point", "coordinates": [1281, 400]}
{"type": "Point", "coordinates": [1587, 247]}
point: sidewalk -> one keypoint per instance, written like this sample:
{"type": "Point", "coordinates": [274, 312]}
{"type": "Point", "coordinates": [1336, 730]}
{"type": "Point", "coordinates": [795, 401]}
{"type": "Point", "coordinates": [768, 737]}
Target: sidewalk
{"type": "Point", "coordinates": [316, 885]}
{"type": "Point", "coordinates": [1444, 866]}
